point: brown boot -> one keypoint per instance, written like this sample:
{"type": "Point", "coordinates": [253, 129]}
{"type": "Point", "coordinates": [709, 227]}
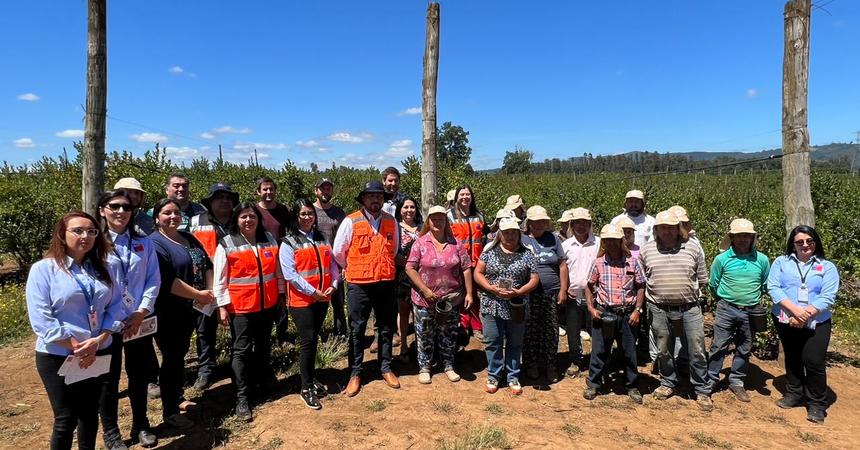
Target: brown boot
{"type": "Point", "coordinates": [353, 387]}
{"type": "Point", "coordinates": [391, 380]}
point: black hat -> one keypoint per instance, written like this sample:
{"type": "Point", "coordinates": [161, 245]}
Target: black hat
{"type": "Point", "coordinates": [373, 187]}
{"type": "Point", "coordinates": [220, 187]}
{"type": "Point", "coordinates": [324, 181]}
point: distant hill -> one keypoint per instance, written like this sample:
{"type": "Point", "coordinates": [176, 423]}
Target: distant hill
{"type": "Point", "coordinates": [827, 152]}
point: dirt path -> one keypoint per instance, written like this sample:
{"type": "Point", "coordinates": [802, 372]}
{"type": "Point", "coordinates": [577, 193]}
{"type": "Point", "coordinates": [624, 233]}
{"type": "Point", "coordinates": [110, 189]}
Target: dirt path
{"type": "Point", "coordinates": [418, 416]}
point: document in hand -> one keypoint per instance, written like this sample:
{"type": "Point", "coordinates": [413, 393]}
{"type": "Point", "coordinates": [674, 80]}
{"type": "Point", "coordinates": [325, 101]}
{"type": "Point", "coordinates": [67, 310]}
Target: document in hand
{"type": "Point", "coordinates": [207, 309]}
{"type": "Point", "coordinates": [147, 326]}
{"type": "Point", "coordinates": [73, 372]}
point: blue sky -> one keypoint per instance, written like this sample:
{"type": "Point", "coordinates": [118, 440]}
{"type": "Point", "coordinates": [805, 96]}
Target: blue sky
{"type": "Point", "coordinates": [323, 81]}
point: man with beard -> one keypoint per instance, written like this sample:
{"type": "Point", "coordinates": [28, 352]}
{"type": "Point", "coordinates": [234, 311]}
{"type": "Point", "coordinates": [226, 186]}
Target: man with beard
{"type": "Point", "coordinates": [276, 216]}
{"type": "Point", "coordinates": [329, 218]}
{"type": "Point", "coordinates": [634, 209]}
{"type": "Point", "coordinates": [143, 223]}
{"type": "Point", "coordinates": [365, 246]}
{"type": "Point", "coordinates": [391, 182]}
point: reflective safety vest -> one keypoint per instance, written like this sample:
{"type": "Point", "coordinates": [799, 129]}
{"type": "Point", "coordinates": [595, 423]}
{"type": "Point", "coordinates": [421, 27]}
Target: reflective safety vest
{"type": "Point", "coordinates": [370, 257]}
{"type": "Point", "coordinates": [469, 232]}
{"type": "Point", "coordinates": [207, 232]}
{"type": "Point", "coordinates": [251, 277]}
{"type": "Point", "coordinates": [313, 260]}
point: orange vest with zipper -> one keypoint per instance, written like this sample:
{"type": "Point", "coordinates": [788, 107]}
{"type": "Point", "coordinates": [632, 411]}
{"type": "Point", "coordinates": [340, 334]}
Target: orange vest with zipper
{"type": "Point", "coordinates": [251, 281]}
{"type": "Point", "coordinates": [313, 260]}
{"type": "Point", "coordinates": [206, 232]}
{"type": "Point", "coordinates": [469, 232]}
{"type": "Point", "coordinates": [370, 257]}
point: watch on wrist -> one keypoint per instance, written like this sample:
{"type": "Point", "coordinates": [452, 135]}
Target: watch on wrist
{"type": "Point", "coordinates": [640, 310]}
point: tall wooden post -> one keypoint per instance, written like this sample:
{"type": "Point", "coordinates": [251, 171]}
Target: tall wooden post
{"type": "Point", "coordinates": [93, 179]}
{"type": "Point", "coordinates": [428, 109]}
{"type": "Point", "coordinates": [797, 198]}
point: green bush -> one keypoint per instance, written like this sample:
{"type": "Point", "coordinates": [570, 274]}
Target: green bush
{"type": "Point", "coordinates": [14, 324]}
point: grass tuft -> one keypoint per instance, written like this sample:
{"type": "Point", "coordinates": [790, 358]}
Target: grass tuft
{"type": "Point", "coordinates": [707, 440]}
{"type": "Point", "coordinates": [808, 438]}
{"type": "Point", "coordinates": [571, 430]}
{"type": "Point", "coordinates": [377, 405]}
{"type": "Point", "coordinates": [481, 438]}
{"type": "Point", "coordinates": [494, 408]}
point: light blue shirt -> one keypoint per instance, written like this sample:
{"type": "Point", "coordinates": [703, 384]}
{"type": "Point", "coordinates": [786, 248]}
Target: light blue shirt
{"type": "Point", "coordinates": [58, 309]}
{"type": "Point", "coordinates": [136, 257]}
{"type": "Point", "coordinates": [288, 266]}
{"type": "Point", "coordinates": [822, 281]}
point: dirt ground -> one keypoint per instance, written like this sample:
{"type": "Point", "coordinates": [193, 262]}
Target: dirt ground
{"type": "Point", "coordinates": [445, 414]}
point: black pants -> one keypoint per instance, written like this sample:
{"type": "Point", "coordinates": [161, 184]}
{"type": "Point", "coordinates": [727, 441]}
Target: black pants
{"type": "Point", "coordinates": [173, 337]}
{"type": "Point", "coordinates": [282, 323]}
{"type": "Point", "coordinates": [138, 368]}
{"type": "Point", "coordinates": [341, 327]}
{"type": "Point", "coordinates": [362, 298]}
{"type": "Point", "coordinates": [577, 319]}
{"type": "Point", "coordinates": [805, 371]}
{"type": "Point", "coordinates": [207, 329]}
{"type": "Point", "coordinates": [252, 347]}
{"type": "Point", "coordinates": [601, 353]}
{"type": "Point", "coordinates": [309, 321]}
{"type": "Point", "coordinates": [74, 406]}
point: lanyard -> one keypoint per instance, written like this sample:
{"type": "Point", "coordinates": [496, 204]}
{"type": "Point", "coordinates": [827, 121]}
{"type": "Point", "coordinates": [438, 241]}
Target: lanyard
{"type": "Point", "coordinates": [127, 266]}
{"type": "Point", "coordinates": [802, 274]}
{"type": "Point", "coordinates": [89, 294]}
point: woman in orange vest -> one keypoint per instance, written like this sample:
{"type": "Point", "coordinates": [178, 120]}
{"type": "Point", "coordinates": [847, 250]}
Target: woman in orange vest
{"type": "Point", "coordinates": [312, 274]}
{"type": "Point", "coordinates": [248, 285]}
{"type": "Point", "coordinates": [467, 224]}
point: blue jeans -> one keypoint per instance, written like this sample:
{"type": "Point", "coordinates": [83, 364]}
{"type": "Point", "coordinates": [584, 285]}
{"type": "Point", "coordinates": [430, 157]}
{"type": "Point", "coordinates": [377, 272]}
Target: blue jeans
{"type": "Point", "coordinates": [601, 353]}
{"type": "Point", "coordinates": [694, 336]}
{"type": "Point", "coordinates": [503, 343]}
{"type": "Point", "coordinates": [730, 325]}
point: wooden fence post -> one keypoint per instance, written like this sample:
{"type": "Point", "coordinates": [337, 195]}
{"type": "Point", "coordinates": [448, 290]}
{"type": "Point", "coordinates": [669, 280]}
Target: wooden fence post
{"type": "Point", "coordinates": [428, 109]}
{"type": "Point", "coordinates": [93, 174]}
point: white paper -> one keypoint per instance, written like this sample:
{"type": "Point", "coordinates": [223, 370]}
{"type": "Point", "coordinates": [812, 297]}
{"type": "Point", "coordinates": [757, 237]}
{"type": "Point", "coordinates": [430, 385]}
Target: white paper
{"type": "Point", "coordinates": [73, 372]}
{"type": "Point", "coordinates": [147, 326]}
{"type": "Point", "coordinates": [207, 309]}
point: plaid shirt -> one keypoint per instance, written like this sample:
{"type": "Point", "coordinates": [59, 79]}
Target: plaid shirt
{"type": "Point", "coordinates": [614, 283]}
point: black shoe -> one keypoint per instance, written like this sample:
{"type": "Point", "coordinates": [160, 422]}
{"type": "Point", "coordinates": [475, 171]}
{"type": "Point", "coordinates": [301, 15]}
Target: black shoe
{"type": "Point", "coordinates": [203, 382]}
{"type": "Point", "coordinates": [153, 391]}
{"type": "Point", "coordinates": [816, 415]}
{"type": "Point", "coordinates": [310, 398]}
{"type": "Point", "coordinates": [114, 442]}
{"type": "Point", "coordinates": [635, 395]}
{"type": "Point", "coordinates": [320, 390]}
{"type": "Point", "coordinates": [789, 402]}
{"type": "Point", "coordinates": [145, 438]}
{"type": "Point", "coordinates": [590, 393]}
{"type": "Point", "coordinates": [243, 411]}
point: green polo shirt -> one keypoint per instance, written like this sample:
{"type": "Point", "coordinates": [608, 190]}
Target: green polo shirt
{"type": "Point", "coordinates": [739, 279]}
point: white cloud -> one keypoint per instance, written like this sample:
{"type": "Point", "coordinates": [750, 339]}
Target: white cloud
{"type": "Point", "coordinates": [148, 137]}
{"type": "Point", "coordinates": [752, 93]}
{"type": "Point", "coordinates": [414, 111]}
{"type": "Point", "coordinates": [342, 136]}
{"type": "Point", "coordinates": [308, 144]}
{"type": "Point", "coordinates": [24, 143]}
{"type": "Point", "coordinates": [176, 69]}
{"type": "Point", "coordinates": [183, 153]}
{"type": "Point", "coordinates": [259, 146]}
{"type": "Point", "coordinates": [70, 133]}
{"type": "Point", "coordinates": [28, 97]}
{"type": "Point", "coordinates": [399, 149]}
{"type": "Point", "coordinates": [207, 135]}
{"type": "Point", "coordinates": [227, 129]}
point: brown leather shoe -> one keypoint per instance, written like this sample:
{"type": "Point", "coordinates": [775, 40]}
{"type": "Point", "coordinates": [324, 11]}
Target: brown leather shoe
{"type": "Point", "coordinates": [391, 380]}
{"type": "Point", "coordinates": [353, 387]}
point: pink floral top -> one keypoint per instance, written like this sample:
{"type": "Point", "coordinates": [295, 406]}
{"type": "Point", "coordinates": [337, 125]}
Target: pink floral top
{"type": "Point", "coordinates": [442, 272]}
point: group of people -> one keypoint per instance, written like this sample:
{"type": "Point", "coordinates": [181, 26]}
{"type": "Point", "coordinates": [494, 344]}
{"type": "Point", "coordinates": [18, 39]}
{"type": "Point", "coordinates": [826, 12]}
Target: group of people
{"type": "Point", "coordinates": [513, 284]}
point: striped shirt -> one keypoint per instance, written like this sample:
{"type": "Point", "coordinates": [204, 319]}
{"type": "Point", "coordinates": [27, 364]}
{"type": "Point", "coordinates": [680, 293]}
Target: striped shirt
{"type": "Point", "coordinates": [673, 275]}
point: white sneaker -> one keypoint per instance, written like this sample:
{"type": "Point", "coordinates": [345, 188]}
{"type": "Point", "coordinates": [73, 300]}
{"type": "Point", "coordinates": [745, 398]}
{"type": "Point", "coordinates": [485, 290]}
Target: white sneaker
{"type": "Point", "coordinates": [562, 331]}
{"type": "Point", "coordinates": [584, 335]}
{"type": "Point", "coordinates": [424, 378]}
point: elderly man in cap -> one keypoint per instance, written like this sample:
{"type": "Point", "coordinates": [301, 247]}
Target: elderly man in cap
{"type": "Point", "coordinates": [580, 251]}
{"type": "Point", "coordinates": [674, 269]}
{"type": "Point", "coordinates": [208, 228]}
{"type": "Point", "coordinates": [738, 278]}
{"type": "Point", "coordinates": [365, 247]}
{"type": "Point", "coordinates": [143, 223]}
{"type": "Point", "coordinates": [634, 209]}
{"type": "Point", "coordinates": [515, 204]}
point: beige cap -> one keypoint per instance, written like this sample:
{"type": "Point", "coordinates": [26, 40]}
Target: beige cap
{"type": "Point", "coordinates": [537, 212]}
{"type": "Point", "coordinates": [509, 223]}
{"type": "Point", "coordinates": [128, 183]}
{"type": "Point", "coordinates": [566, 216]}
{"type": "Point", "coordinates": [611, 232]}
{"type": "Point", "coordinates": [666, 218]}
{"type": "Point", "coordinates": [635, 193]}
{"type": "Point", "coordinates": [580, 214]}
{"type": "Point", "coordinates": [624, 223]}
{"type": "Point", "coordinates": [504, 212]}
{"type": "Point", "coordinates": [680, 212]}
{"type": "Point", "coordinates": [514, 202]}
{"type": "Point", "coordinates": [450, 195]}
{"type": "Point", "coordinates": [738, 226]}
{"type": "Point", "coordinates": [436, 209]}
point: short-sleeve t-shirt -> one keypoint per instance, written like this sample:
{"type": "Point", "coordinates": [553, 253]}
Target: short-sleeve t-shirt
{"type": "Point", "coordinates": [516, 268]}
{"type": "Point", "coordinates": [549, 256]}
{"type": "Point", "coordinates": [276, 220]}
{"type": "Point", "coordinates": [176, 261]}
{"type": "Point", "coordinates": [328, 220]}
{"type": "Point", "coordinates": [442, 272]}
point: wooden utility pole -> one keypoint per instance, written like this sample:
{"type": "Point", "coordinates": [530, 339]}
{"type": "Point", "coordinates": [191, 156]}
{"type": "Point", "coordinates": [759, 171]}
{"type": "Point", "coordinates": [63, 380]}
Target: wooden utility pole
{"type": "Point", "coordinates": [93, 179]}
{"type": "Point", "coordinates": [428, 109]}
{"type": "Point", "coordinates": [797, 198]}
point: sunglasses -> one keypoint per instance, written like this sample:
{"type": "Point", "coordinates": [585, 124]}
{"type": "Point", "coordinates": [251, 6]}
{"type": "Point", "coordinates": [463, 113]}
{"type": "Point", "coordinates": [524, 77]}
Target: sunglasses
{"type": "Point", "coordinates": [81, 232]}
{"type": "Point", "coordinates": [119, 206]}
{"type": "Point", "coordinates": [306, 214]}
{"type": "Point", "coordinates": [802, 241]}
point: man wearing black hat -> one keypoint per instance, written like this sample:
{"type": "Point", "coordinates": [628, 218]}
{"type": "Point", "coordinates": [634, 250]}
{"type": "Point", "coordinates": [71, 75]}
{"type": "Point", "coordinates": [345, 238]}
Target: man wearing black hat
{"type": "Point", "coordinates": [329, 218]}
{"type": "Point", "coordinates": [209, 228]}
{"type": "Point", "coordinates": [364, 247]}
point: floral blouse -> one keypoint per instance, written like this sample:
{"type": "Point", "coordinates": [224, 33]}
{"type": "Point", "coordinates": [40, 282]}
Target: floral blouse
{"type": "Point", "coordinates": [514, 268]}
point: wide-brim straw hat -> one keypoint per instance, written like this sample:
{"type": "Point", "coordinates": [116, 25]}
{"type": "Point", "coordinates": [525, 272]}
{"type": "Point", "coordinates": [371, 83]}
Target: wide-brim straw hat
{"type": "Point", "coordinates": [128, 183]}
{"type": "Point", "coordinates": [513, 202]}
{"type": "Point", "coordinates": [738, 226]}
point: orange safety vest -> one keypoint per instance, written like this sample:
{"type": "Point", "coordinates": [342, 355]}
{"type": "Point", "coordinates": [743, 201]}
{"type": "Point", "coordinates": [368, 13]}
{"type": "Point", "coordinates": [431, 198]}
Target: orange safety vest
{"type": "Point", "coordinates": [207, 232]}
{"type": "Point", "coordinates": [370, 257]}
{"type": "Point", "coordinates": [313, 259]}
{"type": "Point", "coordinates": [469, 232]}
{"type": "Point", "coordinates": [251, 278]}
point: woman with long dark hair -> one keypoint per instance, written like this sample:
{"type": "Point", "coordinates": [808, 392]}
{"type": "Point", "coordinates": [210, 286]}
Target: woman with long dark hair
{"type": "Point", "coordinates": [408, 215]}
{"type": "Point", "coordinates": [313, 275]}
{"type": "Point", "coordinates": [467, 224]}
{"type": "Point", "coordinates": [803, 286]}
{"type": "Point", "coordinates": [248, 286]}
{"type": "Point", "coordinates": [135, 269]}
{"type": "Point", "coordinates": [73, 311]}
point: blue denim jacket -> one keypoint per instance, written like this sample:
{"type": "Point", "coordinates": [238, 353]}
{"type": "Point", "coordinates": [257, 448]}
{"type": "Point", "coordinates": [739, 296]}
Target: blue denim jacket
{"type": "Point", "coordinates": [822, 283]}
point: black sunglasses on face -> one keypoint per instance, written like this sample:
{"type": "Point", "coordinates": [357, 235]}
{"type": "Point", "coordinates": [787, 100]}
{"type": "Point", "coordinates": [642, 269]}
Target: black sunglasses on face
{"type": "Point", "coordinates": [119, 206]}
{"type": "Point", "coordinates": [807, 242]}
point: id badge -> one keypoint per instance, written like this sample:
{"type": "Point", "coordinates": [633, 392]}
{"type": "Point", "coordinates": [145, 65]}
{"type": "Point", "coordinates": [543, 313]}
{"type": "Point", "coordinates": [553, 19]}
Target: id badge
{"type": "Point", "coordinates": [127, 298]}
{"type": "Point", "coordinates": [94, 324]}
{"type": "Point", "coordinates": [803, 294]}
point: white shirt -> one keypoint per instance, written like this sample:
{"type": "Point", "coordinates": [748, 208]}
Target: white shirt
{"type": "Point", "coordinates": [344, 236]}
{"type": "Point", "coordinates": [580, 258]}
{"type": "Point", "coordinates": [644, 227]}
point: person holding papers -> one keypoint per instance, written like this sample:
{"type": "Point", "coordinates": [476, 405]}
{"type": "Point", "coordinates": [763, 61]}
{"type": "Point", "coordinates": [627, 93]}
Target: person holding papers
{"type": "Point", "coordinates": [134, 267]}
{"type": "Point", "coordinates": [73, 311]}
{"type": "Point", "coordinates": [186, 280]}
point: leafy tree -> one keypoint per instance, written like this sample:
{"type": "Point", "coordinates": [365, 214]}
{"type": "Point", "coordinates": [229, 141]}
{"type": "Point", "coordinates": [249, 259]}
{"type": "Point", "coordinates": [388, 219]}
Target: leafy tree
{"type": "Point", "coordinates": [517, 161]}
{"type": "Point", "coordinates": [452, 147]}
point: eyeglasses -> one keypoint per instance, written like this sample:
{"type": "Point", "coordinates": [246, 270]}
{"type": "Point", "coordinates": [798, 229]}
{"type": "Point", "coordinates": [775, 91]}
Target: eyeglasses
{"type": "Point", "coordinates": [119, 206]}
{"type": "Point", "coordinates": [81, 232]}
{"type": "Point", "coordinates": [804, 241]}
{"type": "Point", "coordinates": [306, 214]}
